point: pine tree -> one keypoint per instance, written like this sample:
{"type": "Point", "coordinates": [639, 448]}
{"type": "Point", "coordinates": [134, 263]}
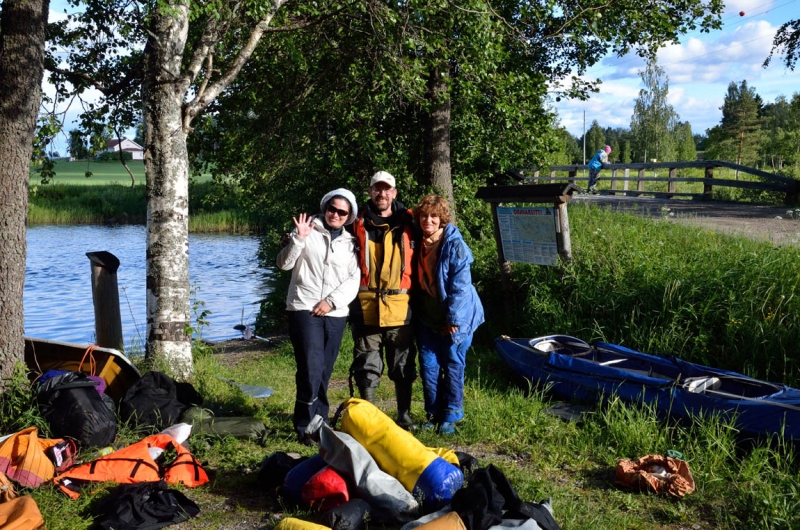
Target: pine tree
{"type": "Point", "coordinates": [625, 153]}
{"type": "Point", "coordinates": [739, 129]}
{"type": "Point", "coordinates": [595, 139]}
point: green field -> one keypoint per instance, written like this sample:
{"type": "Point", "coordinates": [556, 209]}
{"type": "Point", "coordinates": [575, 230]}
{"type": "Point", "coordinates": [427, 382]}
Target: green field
{"type": "Point", "coordinates": [101, 173]}
{"type": "Point", "coordinates": [108, 197]}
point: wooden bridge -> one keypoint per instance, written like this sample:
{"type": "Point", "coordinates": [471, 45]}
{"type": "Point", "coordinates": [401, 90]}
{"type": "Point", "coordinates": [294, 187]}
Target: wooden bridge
{"type": "Point", "coordinates": [631, 179]}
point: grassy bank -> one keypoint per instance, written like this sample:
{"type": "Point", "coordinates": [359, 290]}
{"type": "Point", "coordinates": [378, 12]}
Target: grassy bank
{"type": "Point", "coordinates": [658, 287]}
{"type": "Point", "coordinates": [651, 285]}
{"type": "Point", "coordinates": [507, 425]}
{"type": "Point", "coordinates": [108, 197]}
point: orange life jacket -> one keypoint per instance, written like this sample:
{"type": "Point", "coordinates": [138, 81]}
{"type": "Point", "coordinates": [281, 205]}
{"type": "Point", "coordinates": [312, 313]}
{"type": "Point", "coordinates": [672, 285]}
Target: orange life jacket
{"type": "Point", "coordinates": [386, 256]}
{"type": "Point", "coordinates": [23, 458]}
{"type": "Point", "coordinates": [134, 464]}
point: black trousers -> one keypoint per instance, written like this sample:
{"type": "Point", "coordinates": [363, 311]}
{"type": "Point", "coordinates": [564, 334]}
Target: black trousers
{"type": "Point", "coordinates": [316, 342]}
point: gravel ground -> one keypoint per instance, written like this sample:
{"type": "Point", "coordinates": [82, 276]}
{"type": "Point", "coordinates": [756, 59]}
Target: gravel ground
{"type": "Point", "coordinates": [766, 223]}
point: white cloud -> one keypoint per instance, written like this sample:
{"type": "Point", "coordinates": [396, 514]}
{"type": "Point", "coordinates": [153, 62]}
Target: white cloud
{"type": "Point", "coordinates": [699, 69]}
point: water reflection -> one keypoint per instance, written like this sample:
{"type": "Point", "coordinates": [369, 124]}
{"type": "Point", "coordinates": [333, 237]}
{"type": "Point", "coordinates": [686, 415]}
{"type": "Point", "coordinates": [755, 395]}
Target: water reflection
{"type": "Point", "coordinates": [58, 287]}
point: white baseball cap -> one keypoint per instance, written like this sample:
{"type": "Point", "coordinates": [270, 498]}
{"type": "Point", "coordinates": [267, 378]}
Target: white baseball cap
{"type": "Point", "coordinates": [382, 176]}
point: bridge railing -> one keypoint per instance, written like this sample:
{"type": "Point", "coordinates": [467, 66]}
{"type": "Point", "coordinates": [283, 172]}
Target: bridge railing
{"type": "Point", "coordinates": [630, 179]}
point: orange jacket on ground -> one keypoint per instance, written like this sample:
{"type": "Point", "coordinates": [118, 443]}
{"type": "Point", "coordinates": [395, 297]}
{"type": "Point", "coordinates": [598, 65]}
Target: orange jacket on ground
{"type": "Point", "coordinates": [22, 458]}
{"type": "Point", "coordinates": [134, 464]}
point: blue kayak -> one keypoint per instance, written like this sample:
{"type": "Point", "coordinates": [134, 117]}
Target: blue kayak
{"type": "Point", "coordinates": [574, 369]}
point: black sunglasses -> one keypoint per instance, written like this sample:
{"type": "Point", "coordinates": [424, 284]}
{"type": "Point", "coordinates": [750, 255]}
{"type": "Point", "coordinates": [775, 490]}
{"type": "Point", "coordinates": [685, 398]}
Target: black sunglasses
{"type": "Point", "coordinates": [341, 213]}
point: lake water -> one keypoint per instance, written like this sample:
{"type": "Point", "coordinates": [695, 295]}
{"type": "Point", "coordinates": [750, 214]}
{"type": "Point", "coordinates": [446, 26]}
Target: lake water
{"type": "Point", "coordinates": [223, 271]}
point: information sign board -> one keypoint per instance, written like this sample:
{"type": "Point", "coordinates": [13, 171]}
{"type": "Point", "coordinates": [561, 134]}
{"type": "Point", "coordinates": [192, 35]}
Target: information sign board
{"type": "Point", "coordinates": [528, 235]}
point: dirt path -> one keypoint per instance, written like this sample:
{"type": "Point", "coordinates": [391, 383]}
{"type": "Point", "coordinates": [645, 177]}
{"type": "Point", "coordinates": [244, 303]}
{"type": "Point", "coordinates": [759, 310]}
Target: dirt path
{"type": "Point", "coordinates": [766, 223]}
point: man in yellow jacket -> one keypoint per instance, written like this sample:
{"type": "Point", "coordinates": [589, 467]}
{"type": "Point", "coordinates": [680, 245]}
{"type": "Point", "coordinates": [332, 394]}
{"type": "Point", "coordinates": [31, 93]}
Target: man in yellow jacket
{"type": "Point", "coordinates": [381, 314]}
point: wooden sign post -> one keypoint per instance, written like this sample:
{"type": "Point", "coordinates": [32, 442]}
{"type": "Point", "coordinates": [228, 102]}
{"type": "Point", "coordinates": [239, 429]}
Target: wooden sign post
{"type": "Point", "coordinates": [556, 194]}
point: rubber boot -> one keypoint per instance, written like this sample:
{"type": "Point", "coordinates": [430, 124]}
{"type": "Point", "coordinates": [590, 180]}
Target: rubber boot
{"type": "Point", "coordinates": [367, 393]}
{"type": "Point", "coordinates": [403, 392]}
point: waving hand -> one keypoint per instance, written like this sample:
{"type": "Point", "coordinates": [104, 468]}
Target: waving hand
{"type": "Point", "coordinates": [303, 224]}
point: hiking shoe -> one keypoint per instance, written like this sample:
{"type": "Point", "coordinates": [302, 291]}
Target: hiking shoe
{"type": "Point", "coordinates": [447, 427]}
{"type": "Point", "coordinates": [404, 421]}
{"type": "Point", "coordinates": [428, 426]}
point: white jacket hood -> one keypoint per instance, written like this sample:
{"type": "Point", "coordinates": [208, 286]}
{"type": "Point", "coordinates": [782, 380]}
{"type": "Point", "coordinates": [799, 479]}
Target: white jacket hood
{"type": "Point", "coordinates": [347, 194]}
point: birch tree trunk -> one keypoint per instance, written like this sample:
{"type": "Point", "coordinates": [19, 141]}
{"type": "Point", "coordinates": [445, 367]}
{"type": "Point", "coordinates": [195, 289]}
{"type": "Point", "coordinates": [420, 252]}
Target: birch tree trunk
{"type": "Point", "coordinates": [170, 103]}
{"type": "Point", "coordinates": [166, 165]}
{"type": "Point", "coordinates": [22, 36]}
{"type": "Point", "coordinates": [437, 135]}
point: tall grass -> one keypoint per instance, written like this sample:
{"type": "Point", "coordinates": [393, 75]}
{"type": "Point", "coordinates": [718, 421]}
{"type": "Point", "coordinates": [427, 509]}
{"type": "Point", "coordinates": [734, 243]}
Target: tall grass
{"type": "Point", "coordinates": [210, 208]}
{"type": "Point", "coordinates": [79, 204]}
{"type": "Point", "coordinates": [661, 288]}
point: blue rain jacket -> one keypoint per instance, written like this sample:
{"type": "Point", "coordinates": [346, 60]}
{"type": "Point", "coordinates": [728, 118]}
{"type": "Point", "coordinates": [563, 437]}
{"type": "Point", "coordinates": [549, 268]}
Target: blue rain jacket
{"type": "Point", "coordinates": [597, 161]}
{"type": "Point", "coordinates": [460, 302]}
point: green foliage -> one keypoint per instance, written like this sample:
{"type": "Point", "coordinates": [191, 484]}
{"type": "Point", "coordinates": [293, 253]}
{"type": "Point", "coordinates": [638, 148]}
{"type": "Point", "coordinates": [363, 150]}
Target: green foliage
{"type": "Point", "coordinates": [565, 148]}
{"type": "Point", "coordinates": [654, 120]}
{"type": "Point", "coordinates": [685, 150]}
{"type": "Point", "coordinates": [786, 40]}
{"type": "Point", "coordinates": [18, 407]}
{"type": "Point", "coordinates": [77, 145]}
{"type": "Point", "coordinates": [737, 136]}
{"type": "Point", "coordinates": [595, 139]}
{"type": "Point", "coordinates": [625, 155]}
{"type": "Point", "coordinates": [47, 128]}
{"type": "Point", "coordinates": [358, 96]}
{"type": "Point", "coordinates": [109, 156]}
{"type": "Point", "coordinates": [780, 125]}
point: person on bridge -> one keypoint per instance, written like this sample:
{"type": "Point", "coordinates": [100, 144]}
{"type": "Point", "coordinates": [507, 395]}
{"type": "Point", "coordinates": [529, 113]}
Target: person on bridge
{"type": "Point", "coordinates": [322, 257]}
{"type": "Point", "coordinates": [595, 165]}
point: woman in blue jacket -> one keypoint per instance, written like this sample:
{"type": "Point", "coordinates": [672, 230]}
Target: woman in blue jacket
{"type": "Point", "coordinates": [448, 311]}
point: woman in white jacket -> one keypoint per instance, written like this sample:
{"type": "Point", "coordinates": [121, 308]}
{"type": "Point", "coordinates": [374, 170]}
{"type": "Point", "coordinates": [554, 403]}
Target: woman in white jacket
{"type": "Point", "coordinates": [325, 276]}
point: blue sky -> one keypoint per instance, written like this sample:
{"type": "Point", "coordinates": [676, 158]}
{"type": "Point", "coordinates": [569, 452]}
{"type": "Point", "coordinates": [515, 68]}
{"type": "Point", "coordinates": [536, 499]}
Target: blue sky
{"type": "Point", "coordinates": [699, 69]}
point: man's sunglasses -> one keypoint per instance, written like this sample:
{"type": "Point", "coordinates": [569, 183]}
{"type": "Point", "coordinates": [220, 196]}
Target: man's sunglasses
{"type": "Point", "coordinates": [334, 210]}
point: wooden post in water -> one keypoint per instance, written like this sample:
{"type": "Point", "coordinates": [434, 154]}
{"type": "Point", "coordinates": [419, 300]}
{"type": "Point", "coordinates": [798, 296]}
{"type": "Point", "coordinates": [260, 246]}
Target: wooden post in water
{"type": "Point", "coordinates": [105, 295]}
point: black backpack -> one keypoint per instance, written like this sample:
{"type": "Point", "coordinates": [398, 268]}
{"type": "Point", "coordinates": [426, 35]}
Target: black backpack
{"type": "Point", "coordinates": [72, 406]}
{"type": "Point", "coordinates": [156, 400]}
